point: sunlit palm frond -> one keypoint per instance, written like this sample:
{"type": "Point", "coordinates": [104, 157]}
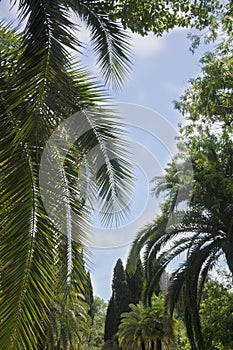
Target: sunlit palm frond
{"type": "Point", "coordinates": [40, 92]}
{"type": "Point", "coordinates": [27, 276]}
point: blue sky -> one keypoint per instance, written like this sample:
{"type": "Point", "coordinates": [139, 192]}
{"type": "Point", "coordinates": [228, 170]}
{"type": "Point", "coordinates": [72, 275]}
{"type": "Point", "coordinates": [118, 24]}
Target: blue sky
{"type": "Point", "coordinates": [161, 70]}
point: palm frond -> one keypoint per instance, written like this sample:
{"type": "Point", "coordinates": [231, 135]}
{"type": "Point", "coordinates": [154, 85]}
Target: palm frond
{"type": "Point", "coordinates": [111, 43]}
{"type": "Point", "coordinates": [27, 276]}
{"type": "Point", "coordinates": [141, 240]}
{"type": "Point", "coordinates": [43, 61]}
{"type": "Point", "coordinates": [194, 265]}
{"type": "Point", "coordinates": [38, 95]}
{"type": "Point", "coordinates": [160, 185]}
{"type": "Point", "coordinates": [68, 320]}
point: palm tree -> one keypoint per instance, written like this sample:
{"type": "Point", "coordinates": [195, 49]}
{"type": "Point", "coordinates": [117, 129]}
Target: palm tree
{"type": "Point", "coordinates": [40, 88]}
{"type": "Point", "coordinates": [201, 234]}
{"type": "Point", "coordinates": [201, 230]}
{"type": "Point", "coordinates": [143, 326]}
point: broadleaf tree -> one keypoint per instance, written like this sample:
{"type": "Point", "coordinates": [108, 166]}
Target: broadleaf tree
{"type": "Point", "coordinates": [216, 314]}
{"type": "Point", "coordinates": [144, 16]}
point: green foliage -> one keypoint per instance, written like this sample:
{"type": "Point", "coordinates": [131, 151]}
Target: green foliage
{"type": "Point", "coordinates": [110, 320]}
{"type": "Point", "coordinates": [142, 326]}
{"type": "Point", "coordinates": [135, 283]}
{"type": "Point", "coordinates": [99, 308]}
{"type": "Point", "coordinates": [69, 320]}
{"type": "Point", "coordinates": [120, 291]}
{"type": "Point", "coordinates": [110, 44]}
{"type": "Point", "coordinates": [89, 298]}
{"type": "Point", "coordinates": [119, 301]}
{"type": "Point", "coordinates": [207, 105]}
{"type": "Point", "coordinates": [9, 43]}
{"type": "Point", "coordinates": [216, 313]}
{"type": "Point", "coordinates": [143, 16]}
{"type": "Point", "coordinates": [215, 316]}
{"type": "Point", "coordinates": [181, 336]}
{"type": "Point", "coordinates": [69, 325]}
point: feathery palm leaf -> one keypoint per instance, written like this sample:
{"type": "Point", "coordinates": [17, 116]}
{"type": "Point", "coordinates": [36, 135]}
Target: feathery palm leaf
{"type": "Point", "coordinates": [39, 91]}
{"type": "Point", "coordinates": [68, 320]}
{"type": "Point", "coordinates": [111, 44]}
{"type": "Point", "coordinates": [142, 326]}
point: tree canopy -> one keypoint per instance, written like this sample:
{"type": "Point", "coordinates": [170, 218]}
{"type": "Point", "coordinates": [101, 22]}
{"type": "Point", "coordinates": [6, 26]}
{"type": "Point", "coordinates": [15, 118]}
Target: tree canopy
{"type": "Point", "coordinates": [143, 16]}
{"type": "Point", "coordinates": [99, 308]}
{"type": "Point", "coordinates": [126, 289]}
{"type": "Point", "coordinates": [216, 314]}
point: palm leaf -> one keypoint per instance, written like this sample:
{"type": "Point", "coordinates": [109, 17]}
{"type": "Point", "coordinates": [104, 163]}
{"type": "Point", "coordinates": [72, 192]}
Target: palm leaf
{"type": "Point", "coordinates": [39, 93]}
{"type": "Point", "coordinates": [111, 43]}
{"type": "Point", "coordinates": [27, 276]}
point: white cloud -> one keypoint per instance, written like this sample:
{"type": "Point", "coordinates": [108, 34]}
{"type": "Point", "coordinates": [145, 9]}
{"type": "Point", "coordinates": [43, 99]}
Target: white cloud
{"type": "Point", "coordinates": [147, 45]}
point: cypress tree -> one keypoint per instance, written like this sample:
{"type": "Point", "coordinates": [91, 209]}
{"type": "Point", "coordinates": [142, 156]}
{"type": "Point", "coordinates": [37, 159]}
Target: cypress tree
{"type": "Point", "coordinates": [89, 294]}
{"type": "Point", "coordinates": [109, 322]}
{"type": "Point", "coordinates": [135, 283]}
{"type": "Point", "coordinates": [121, 293]}
{"type": "Point", "coordinates": [119, 301]}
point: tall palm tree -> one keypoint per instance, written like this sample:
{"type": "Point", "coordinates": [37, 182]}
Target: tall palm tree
{"type": "Point", "coordinates": [41, 88]}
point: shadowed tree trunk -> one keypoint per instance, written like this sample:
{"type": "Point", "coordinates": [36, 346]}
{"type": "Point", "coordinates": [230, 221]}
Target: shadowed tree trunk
{"type": "Point", "coordinates": [228, 250]}
{"type": "Point", "coordinates": [158, 344]}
